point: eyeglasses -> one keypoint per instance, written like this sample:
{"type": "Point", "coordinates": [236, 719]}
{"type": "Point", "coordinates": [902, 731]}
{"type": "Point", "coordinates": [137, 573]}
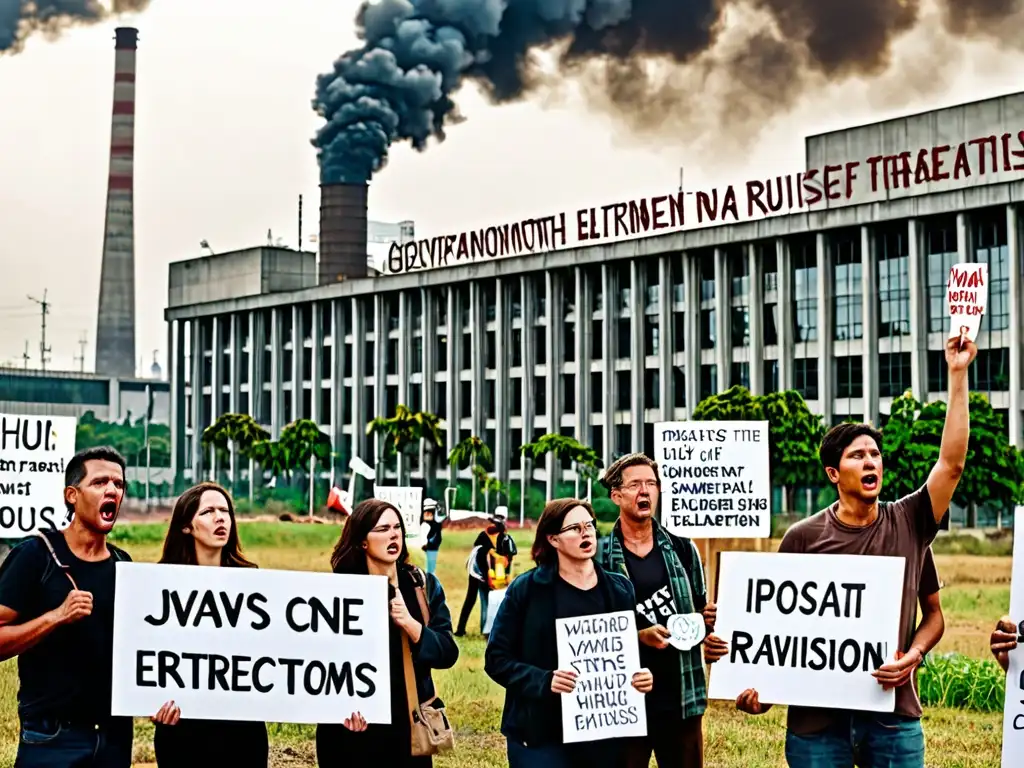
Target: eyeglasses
{"type": "Point", "coordinates": [579, 528]}
{"type": "Point", "coordinates": [637, 485]}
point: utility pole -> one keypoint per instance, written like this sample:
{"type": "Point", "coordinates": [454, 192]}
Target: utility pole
{"type": "Point", "coordinates": [43, 349]}
{"type": "Point", "coordinates": [81, 356]}
{"type": "Point", "coordinates": [25, 356]}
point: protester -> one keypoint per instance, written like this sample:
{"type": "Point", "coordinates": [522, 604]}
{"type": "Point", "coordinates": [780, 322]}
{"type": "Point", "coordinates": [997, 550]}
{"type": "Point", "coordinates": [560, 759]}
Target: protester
{"type": "Point", "coordinates": [857, 524]}
{"type": "Point", "coordinates": [1003, 640]}
{"type": "Point", "coordinates": [668, 578]}
{"type": "Point", "coordinates": [373, 542]}
{"type": "Point", "coordinates": [522, 655]}
{"type": "Point", "coordinates": [203, 532]}
{"type": "Point", "coordinates": [489, 567]}
{"type": "Point", "coordinates": [57, 617]}
{"type": "Point", "coordinates": [430, 533]}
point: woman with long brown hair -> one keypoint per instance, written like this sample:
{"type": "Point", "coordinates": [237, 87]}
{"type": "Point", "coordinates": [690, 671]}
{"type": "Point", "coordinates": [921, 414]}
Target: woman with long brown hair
{"type": "Point", "coordinates": [203, 532]}
{"type": "Point", "coordinates": [522, 655]}
{"type": "Point", "coordinates": [373, 542]}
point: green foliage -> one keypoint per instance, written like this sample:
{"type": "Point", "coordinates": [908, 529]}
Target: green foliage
{"type": "Point", "coordinates": [405, 430]}
{"type": "Point", "coordinates": [794, 432]}
{"type": "Point", "coordinates": [470, 452]}
{"type": "Point", "coordinates": [585, 459]}
{"type": "Point", "coordinates": [962, 682]}
{"type": "Point", "coordinates": [127, 437]}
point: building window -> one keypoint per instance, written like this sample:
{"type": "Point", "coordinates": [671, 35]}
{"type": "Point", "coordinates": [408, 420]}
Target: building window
{"type": "Point", "coordinates": [652, 388]}
{"type": "Point", "coordinates": [940, 256]}
{"type": "Point", "coordinates": [990, 246]}
{"type": "Point", "coordinates": [739, 375]}
{"type": "Point", "coordinates": [770, 314]}
{"type": "Point", "coordinates": [653, 300]}
{"type": "Point", "coordinates": [624, 338]}
{"type": "Point", "coordinates": [708, 330]}
{"type": "Point", "coordinates": [740, 326]}
{"type": "Point", "coordinates": [805, 377]}
{"type": "Point", "coordinates": [771, 376]}
{"type": "Point", "coordinates": [623, 391]}
{"type": "Point", "coordinates": [596, 392]}
{"type": "Point", "coordinates": [597, 339]}
{"type": "Point", "coordinates": [805, 289]}
{"type": "Point", "coordinates": [706, 267]}
{"type": "Point", "coordinates": [678, 387]}
{"type": "Point", "coordinates": [679, 331]}
{"type": "Point", "coordinates": [893, 374]}
{"type": "Point", "coordinates": [849, 285]}
{"type": "Point", "coordinates": [679, 279]}
{"type": "Point", "coordinates": [652, 335]}
{"type": "Point", "coordinates": [850, 377]}
{"type": "Point", "coordinates": [991, 371]}
{"type": "Point", "coordinates": [708, 381]}
{"type": "Point", "coordinates": [568, 393]}
{"type": "Point", "coordinates": [893, 283]}
{"type": "Point", "coordinates": [739, 271]}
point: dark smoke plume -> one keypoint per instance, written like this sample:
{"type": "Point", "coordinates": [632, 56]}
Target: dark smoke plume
{"type": "Point", "coordinates": [416, 53]}
{"type": "Point", "coordinates": [19, 19]}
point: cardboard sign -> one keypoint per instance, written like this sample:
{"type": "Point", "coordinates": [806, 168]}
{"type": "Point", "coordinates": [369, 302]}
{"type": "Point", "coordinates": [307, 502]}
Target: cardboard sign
{"type": "Point", "coordinates": [408, 501]}
{"type": "Point", "coordinates": [808, 630]}
{"type": "Point", "coordinates": [716, 478]}
{"type": "Point", "coordinates": [34, 453]}
{"type": "Point", "coordinates": [604, 651]}
{"type": "Point", "coordinates": [967, 297]}
{"type": "Point", "coordinates": [250, 644]}
{"type": "Point", "coordinates": [1013, 706]}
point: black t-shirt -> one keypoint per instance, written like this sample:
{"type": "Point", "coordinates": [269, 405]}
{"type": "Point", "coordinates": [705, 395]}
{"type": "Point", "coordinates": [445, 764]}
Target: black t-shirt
{"type": "Point", "coordinates": [67, 675]}
{"type": "Point", "coordinates": [654, 604]}
{"type": "Point", "coordinates": [572, 601]}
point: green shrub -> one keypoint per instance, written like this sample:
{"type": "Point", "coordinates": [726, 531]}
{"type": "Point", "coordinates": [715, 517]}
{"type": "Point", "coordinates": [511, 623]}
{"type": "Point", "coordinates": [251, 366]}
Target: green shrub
{"type": "Point", "coordinates": [961, 682]}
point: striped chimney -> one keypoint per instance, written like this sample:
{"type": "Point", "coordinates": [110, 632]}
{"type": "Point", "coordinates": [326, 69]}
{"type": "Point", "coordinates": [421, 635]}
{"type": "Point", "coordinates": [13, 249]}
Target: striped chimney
{"type": "Point", "coordinates": [115, 324]}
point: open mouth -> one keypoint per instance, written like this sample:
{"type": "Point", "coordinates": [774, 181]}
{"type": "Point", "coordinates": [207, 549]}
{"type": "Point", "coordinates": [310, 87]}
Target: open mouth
{"type": "Point", "coordinates": [586, 546]}
{"type": "Point", "coordinates": [108, 511]}
{"type": "Point", "coordinates": [869, 482]}
{"type": "Point", "coordinates": [393, 548]}
{"type": "Point", "coordinates": [644, 505]}
{"type": "Point", "coordinates": [220, 530]}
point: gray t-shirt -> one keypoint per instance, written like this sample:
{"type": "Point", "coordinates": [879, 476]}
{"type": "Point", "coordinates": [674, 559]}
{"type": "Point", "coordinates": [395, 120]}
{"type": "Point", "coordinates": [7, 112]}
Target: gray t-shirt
{"type": "Point", "coordinates": [903, 528]}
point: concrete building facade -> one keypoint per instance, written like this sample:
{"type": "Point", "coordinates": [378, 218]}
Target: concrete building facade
{"type": "Point", "coordinates": [845, 303]}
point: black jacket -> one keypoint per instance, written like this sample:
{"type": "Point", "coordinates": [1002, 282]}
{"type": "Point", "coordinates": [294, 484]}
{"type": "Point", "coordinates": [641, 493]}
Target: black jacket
{"type": "Point", "coordinates": [522, 652]}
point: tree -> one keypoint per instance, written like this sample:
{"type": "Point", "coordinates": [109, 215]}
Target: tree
{"type": "Point", "coordinates": [735, 404]}
{"type": "Point", "coordinates": [585, 460]}
{"type": "Point", "coordinates": [240, 430]}
{"type": "Point", "coordinates": [402, 433]}
{"type": "Point", "coordinates": [900, 462]}
{"type": "Point", "coordinates": [469, 453]}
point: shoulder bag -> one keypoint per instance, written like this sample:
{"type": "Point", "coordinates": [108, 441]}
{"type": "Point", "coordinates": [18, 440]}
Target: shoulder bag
{"type": "Point", "coordinates": [430, 727]}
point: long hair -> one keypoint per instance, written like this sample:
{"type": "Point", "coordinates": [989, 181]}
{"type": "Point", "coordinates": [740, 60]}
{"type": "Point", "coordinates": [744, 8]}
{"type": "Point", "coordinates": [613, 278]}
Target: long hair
{"type": "Point", "coordinates": [180, 548]}
{"type": "Point", "coordinates": [550, 523]}
{"type": "Point", "coordinates": [348, 555]}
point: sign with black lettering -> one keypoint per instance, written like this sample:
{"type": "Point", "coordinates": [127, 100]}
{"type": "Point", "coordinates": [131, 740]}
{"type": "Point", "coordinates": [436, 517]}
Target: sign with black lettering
{"type": "Point", "coordinates": [715, 478]}
{"type": "Point", "coordinates": [604, 651]}
{"type": "Point", "coordinates": [808, 630]}
{"type": "Point", "coordinates": [408, 500]}
{"type": "Point", "coordinates": [250, 644]}
{"type": "Point", "coordinates": [1013, 706]}
{"type": "Point", "coordinates": [34, 452]}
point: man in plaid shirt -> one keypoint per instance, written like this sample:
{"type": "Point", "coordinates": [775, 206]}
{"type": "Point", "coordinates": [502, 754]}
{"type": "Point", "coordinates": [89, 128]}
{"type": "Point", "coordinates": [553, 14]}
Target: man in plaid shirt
{"type": "Point", "coordinates": [668, 578]}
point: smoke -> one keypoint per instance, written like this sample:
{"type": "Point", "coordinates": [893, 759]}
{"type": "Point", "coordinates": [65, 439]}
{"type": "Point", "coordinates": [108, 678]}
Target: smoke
{"type": "Point", "coordinates": [19, 19]}
{"type": "Point", "coordinates": [646, 61]}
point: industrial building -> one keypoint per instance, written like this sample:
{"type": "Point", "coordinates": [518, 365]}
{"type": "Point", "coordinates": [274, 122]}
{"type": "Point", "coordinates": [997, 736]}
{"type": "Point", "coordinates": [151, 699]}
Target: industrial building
{"type": "Point", "coordinates": [844, 302]}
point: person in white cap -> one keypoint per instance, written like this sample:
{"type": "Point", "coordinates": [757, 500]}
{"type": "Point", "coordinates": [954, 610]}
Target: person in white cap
{"type": "Point", "coordinates": [489, 566]}
{"type": "Point", "coordinates": [430, 533]}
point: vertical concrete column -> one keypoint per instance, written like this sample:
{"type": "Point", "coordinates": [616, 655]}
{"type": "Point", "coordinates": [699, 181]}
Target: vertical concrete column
{"type": "Point", "coordinates": [826, 331]}
{"type": "Point", "coordinates": [277, 415]}
{"type": "Point", "coordinates": [529, 404]}
{"type": "Point", "coordinates": [317, 344]}
{"type": "Point", "coordinates": [608, 305]}
{"type": "Point", "coordinates": [869, 311]}
{"type": "Point", "coordinates": [337, 374]}
{"type": "Point", "coordinates": [964, 237]}
{"type": "Point", "coordinates": [1013, 247]}
{"type": "Point", "coordinates": [298, 350]}
{"type": "Point", "coordinates": [553, 320]}
{"type": "Point", "coordinates": [502, 330]}
{"type": "Point", "coordinates": [637, 359]}
{"type": "Point", "coordinates": [234, 382]}
{"type": "Point", "coordinates": [216, 384]}
{"type": "Point", "coordinates": [403, 368]}
{"type": "Point", "coordinates": [581, 334]}
{"type": "Point", "coordinates": [691, 263]}
{"type": "Point", "coordinates": [665, 338]}
{"type": "Point", "coordinates": [755, 268]}
{"type": "Point", "coordinates": [359, 405]}
{"type": "Point", "coordinates": [723, 320]}
{"type": "Point", "coordinates": [196, 358]}
{"type": "Point", "coordinates": [430, 404]}
{"type": "Point", "coordinates": [478, 363]}
{"type": "Point", "coordinates": [918, 310]}
{"type": "Point", "coordinates": [786, 334]}
{"type": "Point", "coordinates": [452, 394]}
{"type": "Point", "coordinates": [176, 375]}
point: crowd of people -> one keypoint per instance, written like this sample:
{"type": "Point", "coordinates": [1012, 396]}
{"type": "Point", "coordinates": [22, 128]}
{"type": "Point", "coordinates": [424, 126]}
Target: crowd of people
{"type": "Point", "coordinates": [57, 597]}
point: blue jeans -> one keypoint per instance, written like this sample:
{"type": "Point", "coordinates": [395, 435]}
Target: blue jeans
{"type": "Point", "coordinates": [548, 756]}
{"type": "Point", "coordinates": [862, 739]}
{"type": "Point", "coordinates": [50, 743]}
{"type": "Point", "coordinates": [431, 560]}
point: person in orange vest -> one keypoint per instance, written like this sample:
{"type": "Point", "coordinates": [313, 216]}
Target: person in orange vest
{"type": "Point", "coordinates": [489, 566]}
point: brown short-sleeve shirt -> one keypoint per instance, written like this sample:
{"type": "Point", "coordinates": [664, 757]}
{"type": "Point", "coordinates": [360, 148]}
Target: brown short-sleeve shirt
{"type": "Point", "coordinates": [903, 528]}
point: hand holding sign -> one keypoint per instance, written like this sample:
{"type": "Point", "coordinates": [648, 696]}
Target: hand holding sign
{"type": "Point", "coordinates": [563, 681]}
{"type": "Point", "coordinates": [897, 673]}
{"type": "Point", "coordinates": [686, 630]}
{"type": "Point", "coordinates": [1003, 640]}
{"type": "Point", "coordinates": [960, 353]}
{"type": "Point", "coordinates": [643, 681]}
{"type": "Point", "coordinates": [168, 714]}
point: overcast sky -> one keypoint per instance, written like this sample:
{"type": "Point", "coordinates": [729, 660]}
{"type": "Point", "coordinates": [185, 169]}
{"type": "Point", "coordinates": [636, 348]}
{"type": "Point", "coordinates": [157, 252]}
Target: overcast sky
{"type": "Point", "coordinates": [223, 128]}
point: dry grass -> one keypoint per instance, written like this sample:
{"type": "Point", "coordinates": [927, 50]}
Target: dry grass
{"type": "Point", "coordinates": [976, 593]}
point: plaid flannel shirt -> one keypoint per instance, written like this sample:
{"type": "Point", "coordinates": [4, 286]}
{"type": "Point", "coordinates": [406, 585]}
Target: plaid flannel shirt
{"type": "Point", "coordinates": [691, 663]}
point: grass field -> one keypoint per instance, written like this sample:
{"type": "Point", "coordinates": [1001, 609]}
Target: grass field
{"type": "Point", "coordinates": [976, 593]}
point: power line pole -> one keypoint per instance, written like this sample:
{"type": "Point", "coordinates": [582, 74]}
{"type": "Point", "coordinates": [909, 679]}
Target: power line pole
{"type": "Point", "coordinates": [81, 356]}
{"type": "Point", "coordinates": [43, 349]}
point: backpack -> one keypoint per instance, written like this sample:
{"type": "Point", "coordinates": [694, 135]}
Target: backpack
{"type": "Point", "coordinates": [115, 553]}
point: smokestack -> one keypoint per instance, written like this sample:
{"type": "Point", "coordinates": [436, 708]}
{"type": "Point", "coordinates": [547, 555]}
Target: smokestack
{"type": "Point", "coordinates": [343, 216]}
{"type": "Point", "coordinates": [115, 325]}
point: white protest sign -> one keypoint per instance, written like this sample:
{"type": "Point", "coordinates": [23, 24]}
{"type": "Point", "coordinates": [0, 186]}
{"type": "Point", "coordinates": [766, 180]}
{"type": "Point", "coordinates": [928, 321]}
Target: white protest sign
{"type": "Point", "coordinates": [604, 651]}
{"type": "Point", "coordinates": [408, 501]}
{"type": "Point", "coordinates": [967, 297]}
{"type": "Point", "coordinates": [686, 630]}
{"type": "Point", "coordinates": [34, 452]}
{"type": "Point", "coordinates": [494, 600]}
{"type": "Point", "coordinates": [250, 644]}
{"type": "Point", "coordinates": [1013, 706]}
{"type": "Point", "coordinates": [808, 630]}
{"type": "Point", "coordinates": [716, 479]}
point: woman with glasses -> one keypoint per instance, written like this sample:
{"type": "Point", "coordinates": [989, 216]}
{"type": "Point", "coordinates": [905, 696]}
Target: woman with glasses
{"type": "Point", "coordinates": [522, 655]}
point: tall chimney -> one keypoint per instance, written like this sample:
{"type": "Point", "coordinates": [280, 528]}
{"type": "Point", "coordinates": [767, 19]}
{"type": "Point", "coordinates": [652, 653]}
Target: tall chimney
{"type": "Point", "coordinates": [343, 250]}
{"type": "Point", "coordinates": [115, 324]}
